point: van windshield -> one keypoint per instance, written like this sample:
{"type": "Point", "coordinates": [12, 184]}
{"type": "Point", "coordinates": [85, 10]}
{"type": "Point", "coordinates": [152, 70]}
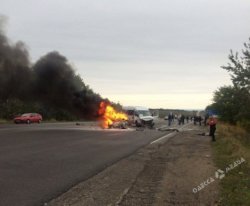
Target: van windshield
{"type": "Point", "coordinates": [143, 112]}
{"type": "Point", "coordinates": [130, 112]}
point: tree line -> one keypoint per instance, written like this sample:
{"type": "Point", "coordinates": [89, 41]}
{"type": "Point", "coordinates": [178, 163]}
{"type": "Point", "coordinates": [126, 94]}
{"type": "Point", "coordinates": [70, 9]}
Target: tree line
{"type": "Point", "coordinates": [232, 103]}
{"type": "Point", "coordinates": [49, 86]}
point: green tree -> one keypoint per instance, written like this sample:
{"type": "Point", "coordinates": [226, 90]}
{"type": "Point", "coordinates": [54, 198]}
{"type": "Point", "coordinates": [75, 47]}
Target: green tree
{"type": "Point", "coordinates": [239, 68]}
{"type": "Point", "coordinates": [229, 103]}
{"type": "Point", "coordinates": [232, 102]}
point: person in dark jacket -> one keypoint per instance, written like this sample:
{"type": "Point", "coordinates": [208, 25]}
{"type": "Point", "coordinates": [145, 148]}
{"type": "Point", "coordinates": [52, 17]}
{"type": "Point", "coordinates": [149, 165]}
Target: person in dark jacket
{"type": "Point", "coordinates": [170, 119]}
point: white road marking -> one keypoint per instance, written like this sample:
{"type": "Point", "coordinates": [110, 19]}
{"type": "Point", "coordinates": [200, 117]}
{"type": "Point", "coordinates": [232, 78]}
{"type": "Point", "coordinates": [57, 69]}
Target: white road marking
{"type": "Point", "coordinates": [166, 137]}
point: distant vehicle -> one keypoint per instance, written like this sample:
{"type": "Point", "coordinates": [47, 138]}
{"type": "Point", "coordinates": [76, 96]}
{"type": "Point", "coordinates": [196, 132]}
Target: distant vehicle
{"type": "Point", "coordinates": [139, 116]}
{"type": "Point", "coordinates": [28, 118]}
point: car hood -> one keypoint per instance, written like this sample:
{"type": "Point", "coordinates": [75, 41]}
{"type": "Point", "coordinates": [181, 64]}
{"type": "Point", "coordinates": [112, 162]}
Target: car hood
{"type": "Point", "coordinates": [147, 118]}
{"type": "Point", "coordinates": [19, 117]}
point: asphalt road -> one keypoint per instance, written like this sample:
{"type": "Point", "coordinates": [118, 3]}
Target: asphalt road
{"type": "Point", "coordinates": [40, 162]}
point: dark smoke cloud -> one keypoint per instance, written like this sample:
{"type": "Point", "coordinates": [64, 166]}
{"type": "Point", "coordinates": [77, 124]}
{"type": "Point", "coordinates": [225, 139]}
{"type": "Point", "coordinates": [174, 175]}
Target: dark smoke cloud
{"type": "Point", "coordinates": [57, 84]}
{"type": "Point", "coordinates": [55, 79]}
{"type": "Point", "coordinates": [15, 73]}
{"type": "Point", "coordinates": [50, 85]}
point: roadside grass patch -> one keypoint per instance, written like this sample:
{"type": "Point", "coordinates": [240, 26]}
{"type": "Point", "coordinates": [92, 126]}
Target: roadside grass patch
{"type": "Point", "coordinates": [3, 121]}
{"type": "Point", "coordinates": [232, 144]}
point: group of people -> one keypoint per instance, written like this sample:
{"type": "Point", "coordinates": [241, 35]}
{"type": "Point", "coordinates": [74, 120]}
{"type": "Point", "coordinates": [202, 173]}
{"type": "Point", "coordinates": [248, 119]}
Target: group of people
{"type": "Point", "coordinates": [180, 118]}
{"type": "Point", "coordinates": [208, 120]}
{"type": "Point", "coordinates": [197, 119]}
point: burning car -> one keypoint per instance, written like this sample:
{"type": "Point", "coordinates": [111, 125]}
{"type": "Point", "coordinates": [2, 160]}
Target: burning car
{"type": "Point", "coordinates": [110, 118]}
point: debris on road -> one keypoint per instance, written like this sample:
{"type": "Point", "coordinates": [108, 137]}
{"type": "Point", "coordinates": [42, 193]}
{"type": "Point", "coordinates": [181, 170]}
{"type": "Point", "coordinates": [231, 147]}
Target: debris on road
{"type": "Point", "coordinates": [120, 124]}
{"type": "Point", "coordinates": [168, 129]}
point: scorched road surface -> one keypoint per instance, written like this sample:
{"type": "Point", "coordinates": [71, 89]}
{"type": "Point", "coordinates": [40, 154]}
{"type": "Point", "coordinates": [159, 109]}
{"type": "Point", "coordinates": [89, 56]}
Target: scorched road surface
{"type": "Point", "coordinates": [39, 162]}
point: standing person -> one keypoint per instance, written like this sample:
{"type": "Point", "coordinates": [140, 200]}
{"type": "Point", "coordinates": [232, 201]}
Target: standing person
{"type": "Point", "coordinates": [199, 120]}
{"type": "Point", "coordinates": [212, 125]}
{"type": "Point", "coordinates": [182, 119]}
{"type": "Point", "coordinates": [169, 119]}
{"type": "Point", "coordinates": [179, 119]}
{"type": "Point", "coordinates": [195, 119]}
{"type": "Point", "coordinates": [173, 117]}
{"type": "Point", "coordinates": [206, 118]}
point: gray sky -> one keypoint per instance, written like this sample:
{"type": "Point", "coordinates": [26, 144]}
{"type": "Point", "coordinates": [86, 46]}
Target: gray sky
{"type": "Point", "coordinates": [155, 53]}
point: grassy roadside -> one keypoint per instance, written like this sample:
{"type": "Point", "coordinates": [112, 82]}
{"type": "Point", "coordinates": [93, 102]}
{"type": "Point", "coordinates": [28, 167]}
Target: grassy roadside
{"type": "Point", "coordinates": [233, 143]}
{"type": "Point", "coordinates": [3, 121]}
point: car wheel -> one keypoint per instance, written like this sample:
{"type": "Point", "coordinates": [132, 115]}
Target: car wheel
{"type": "Point", "coordinates": [28, 121]}
{"type": "Point", "coordinates": [39, 121]}
{"type": "Point", "coordinates": [151, 126]}
{"type": "Point", "coordinates": [137, 124]}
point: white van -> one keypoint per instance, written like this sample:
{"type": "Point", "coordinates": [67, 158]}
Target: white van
{"type": "Point", "coordinates": [139, 116]}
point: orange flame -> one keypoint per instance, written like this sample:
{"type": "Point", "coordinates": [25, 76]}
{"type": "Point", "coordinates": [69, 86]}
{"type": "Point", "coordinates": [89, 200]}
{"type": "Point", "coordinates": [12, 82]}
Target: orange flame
{"type": "Point", "coordinates": [109, 115]}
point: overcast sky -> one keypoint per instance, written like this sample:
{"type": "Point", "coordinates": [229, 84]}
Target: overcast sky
{"type": "Point", "coordinates": [155, 53]}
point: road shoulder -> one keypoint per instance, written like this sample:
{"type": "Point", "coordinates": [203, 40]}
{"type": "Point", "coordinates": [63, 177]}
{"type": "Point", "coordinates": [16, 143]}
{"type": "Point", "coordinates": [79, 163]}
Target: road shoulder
{"type": "Point", "coordinates": [158, 174]}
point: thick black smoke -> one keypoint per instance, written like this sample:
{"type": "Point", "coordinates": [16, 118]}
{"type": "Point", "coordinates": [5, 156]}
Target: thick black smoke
{"type": "Point", "coordinates": [55, 80]}
{"type": "Point", "coordinates": [50, 86]}
{"type": "Point", "coordinates": [15, 74]}
{"type": "Point", "coordinates": [57, 84]}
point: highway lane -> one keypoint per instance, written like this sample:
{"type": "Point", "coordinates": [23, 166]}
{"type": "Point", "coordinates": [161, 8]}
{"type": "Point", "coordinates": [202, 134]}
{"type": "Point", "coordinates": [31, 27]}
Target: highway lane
{"type": "Point", "coordinates": [39, 162]}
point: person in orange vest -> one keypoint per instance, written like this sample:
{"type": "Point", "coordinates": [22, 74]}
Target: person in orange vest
{"type": "Point", "coordinates": [212, 121]}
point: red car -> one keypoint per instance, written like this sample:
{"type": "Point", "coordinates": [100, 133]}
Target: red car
{"type": "Point", "coordinates": [28, 118]}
